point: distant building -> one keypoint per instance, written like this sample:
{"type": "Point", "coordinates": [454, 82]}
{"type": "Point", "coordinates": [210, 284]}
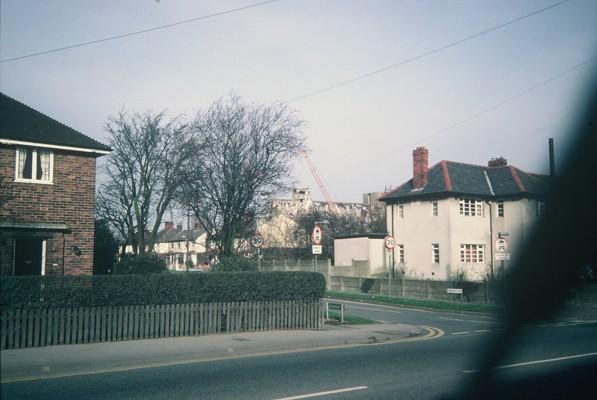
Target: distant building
{"type": "Point", "coordinates": [280, 228]}
{"type": "Point", "coordinates": [47, 194]}
{"type": "Point", "coordinates": [447, 218]}
{"type": "Point", "coordinates": [176, 246]}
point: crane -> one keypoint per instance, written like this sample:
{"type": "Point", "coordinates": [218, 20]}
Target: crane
{"type": "Point", "coordinates": [331, 204]}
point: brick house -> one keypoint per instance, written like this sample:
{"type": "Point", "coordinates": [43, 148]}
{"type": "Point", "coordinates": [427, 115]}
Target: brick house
{"type": "Point", "coordinates": [47, 194]}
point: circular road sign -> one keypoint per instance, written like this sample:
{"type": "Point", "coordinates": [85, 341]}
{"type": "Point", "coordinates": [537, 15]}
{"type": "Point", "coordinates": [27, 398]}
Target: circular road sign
{"type": "Point", "coordinates": [257, 241]}
{"type": "Point", "coordinates": [317, 235]}
{"type": "Point", "coordinates": [501, 245]}
{"type": "Point", "coordinates": [389, 242]}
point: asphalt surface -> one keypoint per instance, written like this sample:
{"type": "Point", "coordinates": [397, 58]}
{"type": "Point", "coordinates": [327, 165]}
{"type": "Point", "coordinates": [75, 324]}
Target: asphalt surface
{"type": "Point", "coordinates": [402, 370]}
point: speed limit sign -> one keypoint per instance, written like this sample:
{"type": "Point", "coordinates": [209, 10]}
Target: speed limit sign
{"type": "Point", "coordinates": [389, 242]}
{"type": "Point", "coordinates": [257, 241]}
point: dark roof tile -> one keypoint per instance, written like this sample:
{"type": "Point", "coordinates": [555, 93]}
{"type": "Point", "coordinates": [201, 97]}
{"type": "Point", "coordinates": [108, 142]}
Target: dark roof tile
{"type": "Point", "coordinates": [21, 122]}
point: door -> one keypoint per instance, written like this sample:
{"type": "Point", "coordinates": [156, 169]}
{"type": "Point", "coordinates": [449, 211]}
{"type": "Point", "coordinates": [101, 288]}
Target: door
{"type": "Point", "coordinates": [28, 256]}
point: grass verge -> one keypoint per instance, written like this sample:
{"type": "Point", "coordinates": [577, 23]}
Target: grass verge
{"type": "Point", "coordinates": [401, 301]}
{"type": "Point", "coordinates": [348, 319]}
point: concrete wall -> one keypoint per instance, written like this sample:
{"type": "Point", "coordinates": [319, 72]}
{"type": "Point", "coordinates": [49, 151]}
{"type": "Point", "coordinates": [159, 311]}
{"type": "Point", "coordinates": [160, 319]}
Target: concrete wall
{"type": "Point", "coordinates": [361, 251]}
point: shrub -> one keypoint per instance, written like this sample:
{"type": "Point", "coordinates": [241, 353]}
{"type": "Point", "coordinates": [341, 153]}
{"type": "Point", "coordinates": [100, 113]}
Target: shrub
{"type": "Point", "coordinates": [235, 264]}
{"type": "Point", "coordinates": [140, 264]}
{"type": "Point", "coordinates": [137, 289]}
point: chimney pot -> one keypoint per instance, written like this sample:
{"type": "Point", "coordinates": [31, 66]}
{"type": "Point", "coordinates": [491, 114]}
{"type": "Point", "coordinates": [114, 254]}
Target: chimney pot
{"type": "Point", "coordinates": [420, 167]}
{"type": "Point", "coordinates": [168, 225]}
{"type": "Point", "coordinates": [497, 162]}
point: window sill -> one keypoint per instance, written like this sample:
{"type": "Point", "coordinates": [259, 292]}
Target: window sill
{"type": "Point", "coordinates": [17, 180]}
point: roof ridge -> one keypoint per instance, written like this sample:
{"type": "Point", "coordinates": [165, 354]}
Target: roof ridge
{"type": "Point", "coordinates": [513, 171]}
{"type": "Point", "coordinates": [447, 179]}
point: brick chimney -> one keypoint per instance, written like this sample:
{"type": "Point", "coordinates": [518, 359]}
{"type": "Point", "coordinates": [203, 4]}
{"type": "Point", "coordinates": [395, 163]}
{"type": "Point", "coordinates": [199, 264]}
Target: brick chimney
{"type": "Point", "coordinates": [168, 225]}
{"type": "Point", "coordinates": [179, 227]}
{"type": "Point", "coordinates": [497, 162]}
{"type": "Point", "coordinates": [420, 167]}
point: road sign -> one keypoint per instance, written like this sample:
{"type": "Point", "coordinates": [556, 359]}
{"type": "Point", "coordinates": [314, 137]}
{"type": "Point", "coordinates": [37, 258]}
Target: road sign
{"type": "Point", "coordinates": [317, 249]}
{"type": "Point", "coordinates": [257, 241]}
{"type": "Point", "coordinates": [502, 256]}
{"type": "Point", "coordinates": [501, 245]}
{"type": "Point", "coordinates": [389, 242]}
{"type": "Point", "coordinates": [454, 291]}
{"type": "Point", "coordinates": [317, 235]}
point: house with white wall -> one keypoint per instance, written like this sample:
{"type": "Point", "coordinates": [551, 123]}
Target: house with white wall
{"type": "Point", "coordinates": [447, 218]}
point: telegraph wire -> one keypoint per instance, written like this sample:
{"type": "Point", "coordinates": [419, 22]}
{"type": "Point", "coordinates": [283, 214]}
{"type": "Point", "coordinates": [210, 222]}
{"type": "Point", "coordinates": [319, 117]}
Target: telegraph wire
{"type": "Point", "coordinates": [125, 35]}
{"type": "Point", "coordinates": [425, 54]}
{"type": "Point", "coordinates": [479, 113]}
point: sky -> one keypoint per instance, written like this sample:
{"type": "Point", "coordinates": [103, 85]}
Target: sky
{"type": "Point", "coordinates": [468, 102]}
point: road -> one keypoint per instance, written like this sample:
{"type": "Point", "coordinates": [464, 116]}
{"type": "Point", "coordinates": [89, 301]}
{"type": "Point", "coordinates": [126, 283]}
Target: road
{"type": "Point", "coordinates": [407, 370]}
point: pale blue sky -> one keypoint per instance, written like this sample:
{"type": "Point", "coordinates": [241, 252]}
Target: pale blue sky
{"type": "Point", "coordinates": [362, 134]}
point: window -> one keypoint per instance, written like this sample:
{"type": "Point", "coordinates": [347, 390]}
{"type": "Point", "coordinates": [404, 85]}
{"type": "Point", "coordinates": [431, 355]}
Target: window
{"type": "Point", "coordinates": [472, 253]}
{"type": "Point", "coordinates": [471, 208]}
{"type": "Point", "coordinates": [500, 209]}
{"type": "Point", "coordinates": [401, 211]}
{"type": "Point", "coordinates": [401, 253]}
{"type": "Point", "coordinates": [34, 165]}
{"type": "Point", "coordinates": [540, 208]}
{"type": "Point", "coordinates": [434, 210]}
{"type": "Point", "coordinates": [435, 253]}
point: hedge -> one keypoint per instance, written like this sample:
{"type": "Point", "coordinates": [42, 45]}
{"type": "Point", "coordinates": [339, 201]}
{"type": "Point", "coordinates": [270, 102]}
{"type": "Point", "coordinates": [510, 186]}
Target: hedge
{"type": "Point", "coordinates": [99, 290]}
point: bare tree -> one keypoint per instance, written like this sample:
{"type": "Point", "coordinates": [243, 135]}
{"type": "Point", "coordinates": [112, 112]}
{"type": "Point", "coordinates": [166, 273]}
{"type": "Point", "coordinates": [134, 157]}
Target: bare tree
{"type": "Point", "coordinates": [246, 151]}
{"type": "Point", "coordinates": [145, 169]}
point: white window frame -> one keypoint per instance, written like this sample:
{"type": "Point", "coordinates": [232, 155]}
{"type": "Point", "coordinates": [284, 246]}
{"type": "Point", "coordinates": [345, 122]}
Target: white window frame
{"type": "Point", "coordinates": [540, 208]}
{"type": "Point", "coordinates": [471, 208]}
{"type": "Point", "coordinates": [435, 253]}
{"type": "Point", "coordinates": [33, 179]}
{"type": "Point", "coordinates": [434, 208]}
{"type": "Point", "coordinates": [400, 253]}
{"type": "Point", "coordinates": [500, 209]}
{"type": "Point", "coordinates": [472, 253]}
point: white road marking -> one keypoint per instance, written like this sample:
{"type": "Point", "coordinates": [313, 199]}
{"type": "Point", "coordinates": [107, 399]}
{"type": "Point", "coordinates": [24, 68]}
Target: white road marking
{"type": "Point", "coordinates": [545, 361]}
{"type": "Point", "coordinates": [377, 305]}
{"type": "Point", "coordinates": [468, 320]}
{"type": "Point", "coordinates": [482, 330]}
{"type": "Point", "coordinates": [310, 395]}
{"type": "Point", "coordinates": [460, 333]}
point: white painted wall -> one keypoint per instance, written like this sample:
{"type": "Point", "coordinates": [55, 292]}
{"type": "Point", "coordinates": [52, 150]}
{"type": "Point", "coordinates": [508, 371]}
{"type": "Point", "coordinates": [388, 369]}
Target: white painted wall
{"type": "Point", "coordinates": [419, 229]}
{"type": "Point", "coordinates": [362, 249]}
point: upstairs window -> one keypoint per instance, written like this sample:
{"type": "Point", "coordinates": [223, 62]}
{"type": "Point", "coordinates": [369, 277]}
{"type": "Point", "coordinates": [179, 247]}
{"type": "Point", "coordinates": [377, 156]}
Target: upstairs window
{"type": "Point", "coordinates": [34, 165]}
{"type": "Point", "coordinates": [401, 211]}
{"type": "Point", "coordinates": [540, 208]}
{"type": "Point", "coordinates": [471, 208]}
{"type": "Point", "coordinates": [434, 209]}
{"type": "Point", "coordinates": [500, 209]}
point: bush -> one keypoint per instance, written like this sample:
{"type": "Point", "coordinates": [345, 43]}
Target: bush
{"type": "Point", "coordinates": [136, 289]}
{"type": "Point", "coordinates": [140, 264]}
{"type": "Point", "coordinates": [235, 264]}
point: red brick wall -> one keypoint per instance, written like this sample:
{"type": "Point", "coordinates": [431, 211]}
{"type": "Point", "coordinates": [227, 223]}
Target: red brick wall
{"type": "Point", "coordinates": [420, 167]}
{"type": "Point", "coordinates": [69, 200]}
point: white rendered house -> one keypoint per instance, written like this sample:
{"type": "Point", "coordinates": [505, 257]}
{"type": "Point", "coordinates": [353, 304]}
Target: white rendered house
{"type": "Point", "coordinates": [447, 218]}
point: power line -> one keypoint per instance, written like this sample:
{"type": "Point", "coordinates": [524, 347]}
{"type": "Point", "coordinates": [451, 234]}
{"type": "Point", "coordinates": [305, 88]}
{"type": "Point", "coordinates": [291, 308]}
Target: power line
{"type": "Point", "coordinates": [480, 113]}
{"type": "Point", "coordinates": [124, 35]}
{"type": "Point", "coordinates": [425, 54]}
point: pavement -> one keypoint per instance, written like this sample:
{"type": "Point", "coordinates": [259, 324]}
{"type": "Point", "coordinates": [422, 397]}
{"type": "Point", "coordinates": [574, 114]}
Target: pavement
{"type": "Point", "coordinates": [96, 358]}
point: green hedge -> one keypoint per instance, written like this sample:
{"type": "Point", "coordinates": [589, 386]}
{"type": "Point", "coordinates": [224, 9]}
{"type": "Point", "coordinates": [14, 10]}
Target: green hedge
{"type": "Point", "coordinates": [83, 291]}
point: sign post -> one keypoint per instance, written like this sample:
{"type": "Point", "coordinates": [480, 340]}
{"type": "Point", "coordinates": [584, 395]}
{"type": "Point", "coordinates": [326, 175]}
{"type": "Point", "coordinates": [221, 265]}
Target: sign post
{"type": "Point", "coordinates": [501, 251]}
{"type": "Point", "coordinates": [257, 243]}
{"type": "Point", "coordinates": [316, 238]}
{"type": "Point", "coordinates": [389, 243]}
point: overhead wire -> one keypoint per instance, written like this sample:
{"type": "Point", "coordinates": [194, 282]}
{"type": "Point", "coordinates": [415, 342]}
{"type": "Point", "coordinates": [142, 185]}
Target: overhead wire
{"type": "Point", "coordinates": [425, 54]}
{"type": "Point", "coordinates": [139, 32]}
{"type": "Point", "coordinates": [479, 113]}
